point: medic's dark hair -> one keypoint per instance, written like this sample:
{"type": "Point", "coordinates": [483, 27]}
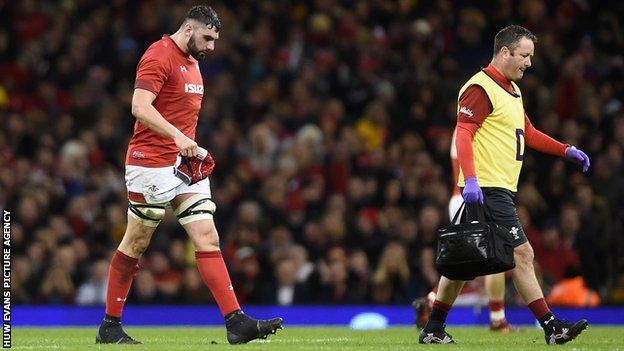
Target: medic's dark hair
{"type": "Point", "coordinates": [510, 37]}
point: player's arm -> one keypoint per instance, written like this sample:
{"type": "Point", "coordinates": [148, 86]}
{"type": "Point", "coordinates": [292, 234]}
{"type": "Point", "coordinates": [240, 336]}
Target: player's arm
{"type": "Point", "coordinates": [144, 111]}
{"type": "Point", "coordinates": [543, 143]}
{"type": "Point", "coordinates": [153, 70]}
{"type": "Point", "coordinates": [474, 107]}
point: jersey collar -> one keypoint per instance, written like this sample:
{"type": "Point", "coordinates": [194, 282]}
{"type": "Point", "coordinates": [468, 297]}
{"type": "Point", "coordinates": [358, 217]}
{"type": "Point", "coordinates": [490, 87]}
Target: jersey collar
{"type": "Point", "coordinates": [178, 50]}
{"type": "Point", "coordinates": [500, 79]}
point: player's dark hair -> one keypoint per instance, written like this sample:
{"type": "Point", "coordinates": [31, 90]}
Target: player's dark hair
{"type": "Point", "coordinates": [510, 37]}
{"type": "Point", "coordinates": [206, 15]}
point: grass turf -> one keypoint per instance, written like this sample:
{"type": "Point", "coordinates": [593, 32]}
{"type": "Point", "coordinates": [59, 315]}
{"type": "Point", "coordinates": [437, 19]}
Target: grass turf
{"type": "Point", "coordinates": [312, 338]}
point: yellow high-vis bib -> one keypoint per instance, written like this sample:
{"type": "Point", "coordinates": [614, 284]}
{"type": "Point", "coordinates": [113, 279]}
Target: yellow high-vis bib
{"type": "Point", "coordinates": [499, 144]}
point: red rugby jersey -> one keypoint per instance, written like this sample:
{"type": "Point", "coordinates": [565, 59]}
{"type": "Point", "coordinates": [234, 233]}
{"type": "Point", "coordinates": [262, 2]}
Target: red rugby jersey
{"type": "Point", "coordinates": [175, 79]}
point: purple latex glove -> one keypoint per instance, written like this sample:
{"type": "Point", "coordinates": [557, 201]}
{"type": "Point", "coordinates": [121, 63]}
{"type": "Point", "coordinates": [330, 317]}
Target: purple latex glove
{"type": "Point", "coordinates": [577, 156]}
{"type": "Point", "coordinates": [472, 191]}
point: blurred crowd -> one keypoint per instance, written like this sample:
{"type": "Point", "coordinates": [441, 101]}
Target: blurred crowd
{"type": "Point", "coordinates": [330, 122]}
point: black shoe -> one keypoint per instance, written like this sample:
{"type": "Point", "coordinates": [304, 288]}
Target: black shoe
{"type": "Point", "coordinates": [558, 331]}
{"type": "Point", "coordinates": [435, 337]}
{"type": "Point", "coordinates": [111, 333]}
{"type": "Point", "coordinates": [242, 329]}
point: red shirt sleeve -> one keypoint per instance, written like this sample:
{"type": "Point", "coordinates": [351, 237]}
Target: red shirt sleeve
{"type": "Point", "coordinates": [474, 107]}
{"type": "Point", "coordinates": [152, 72]}
{"type": "Point", "coordinates": [541, 142]}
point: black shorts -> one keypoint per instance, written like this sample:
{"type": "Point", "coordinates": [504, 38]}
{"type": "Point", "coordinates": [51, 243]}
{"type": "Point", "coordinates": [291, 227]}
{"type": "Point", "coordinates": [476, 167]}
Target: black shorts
{"type": "Point", "coordinates": [501, 209]}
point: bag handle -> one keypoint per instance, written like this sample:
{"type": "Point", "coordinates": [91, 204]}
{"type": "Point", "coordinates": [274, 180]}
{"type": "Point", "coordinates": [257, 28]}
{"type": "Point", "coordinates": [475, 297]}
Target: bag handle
{"type": "Point", "coordinates": [482, 211]}
{"type": "Point", "coordinates": [459, 210]}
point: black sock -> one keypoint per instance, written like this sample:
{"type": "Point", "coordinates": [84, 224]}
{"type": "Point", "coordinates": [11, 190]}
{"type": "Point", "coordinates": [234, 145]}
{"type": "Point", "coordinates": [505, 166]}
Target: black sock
{"type": "Point", "coordinates": [545, 320]}
{"type": "Point", "coordinates": [112, 319]}
{"type": "Point", "coordinates": [436, 321]}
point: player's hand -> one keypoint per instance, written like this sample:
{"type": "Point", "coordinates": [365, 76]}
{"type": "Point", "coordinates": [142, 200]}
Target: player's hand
{"type": "Point", "coordinates": [577, 156]}
{"type": "Point", "coordinates": [194, 169]}
{"type": "Point", "coordinates": [472, 191]}
{"type": "Point", "coordinates": [187, 146]}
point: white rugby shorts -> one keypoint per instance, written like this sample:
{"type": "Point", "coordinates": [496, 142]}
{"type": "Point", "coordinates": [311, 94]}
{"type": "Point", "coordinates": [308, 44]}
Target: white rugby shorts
{"type": "Point", "coordinates": [159, 185]}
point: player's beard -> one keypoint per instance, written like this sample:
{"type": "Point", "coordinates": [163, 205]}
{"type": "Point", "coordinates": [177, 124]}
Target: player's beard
{"type": "Point", "coordinates": [193, 50]}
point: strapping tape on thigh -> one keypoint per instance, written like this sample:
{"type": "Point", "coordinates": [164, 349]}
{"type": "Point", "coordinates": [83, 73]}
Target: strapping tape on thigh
{"type": "Point", "coordinates": [149, 215]}
{"type": "Point", "coordinates": [196, 207]}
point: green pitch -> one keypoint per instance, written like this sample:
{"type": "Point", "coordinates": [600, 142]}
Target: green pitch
{"type": "Point", "coordinates": [313, 339]}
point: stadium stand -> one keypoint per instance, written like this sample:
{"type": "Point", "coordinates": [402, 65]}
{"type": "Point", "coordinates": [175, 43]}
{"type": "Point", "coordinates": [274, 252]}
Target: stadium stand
{"type": "Point", "coordinates": [330, 123]}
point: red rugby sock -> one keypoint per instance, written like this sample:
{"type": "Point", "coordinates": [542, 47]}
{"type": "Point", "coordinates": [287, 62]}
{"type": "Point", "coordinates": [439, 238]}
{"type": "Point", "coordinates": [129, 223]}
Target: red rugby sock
{"type": "Point", "coordinates": [215, 275]}
{"type": "Point", "coordinates": [120, 275]}
{"type": "Point", "coordinates": [539, 308]}
{"type": "Point", "coordinates": [442, 306]}
{"type": "Point", "coordinates": [496, 305]}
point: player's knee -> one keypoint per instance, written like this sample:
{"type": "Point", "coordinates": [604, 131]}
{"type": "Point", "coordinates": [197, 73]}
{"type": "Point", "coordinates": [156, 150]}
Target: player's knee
{"type": "Point", "coordinates": [140, 244]}
{"type": "Point", "coordinates": [136, 241]}
{"type": "Point", "coordinates": [206, 240]}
